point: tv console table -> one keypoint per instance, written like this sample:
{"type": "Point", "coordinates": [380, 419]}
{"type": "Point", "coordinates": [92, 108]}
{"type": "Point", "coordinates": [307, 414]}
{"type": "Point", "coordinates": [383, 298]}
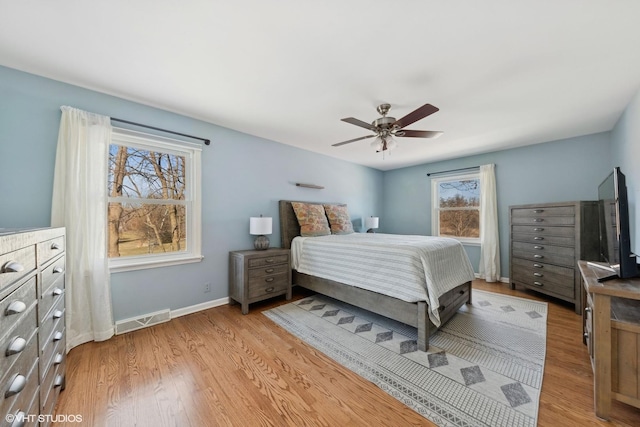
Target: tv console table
{"type": "Point", "coordinates": [611, 327]}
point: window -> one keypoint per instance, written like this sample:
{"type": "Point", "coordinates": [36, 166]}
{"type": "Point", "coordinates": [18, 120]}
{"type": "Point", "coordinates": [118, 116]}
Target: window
{"type": "Point", "coordinates": [456, 207]}
{"type": "Point", "coordinates": [153, 202]}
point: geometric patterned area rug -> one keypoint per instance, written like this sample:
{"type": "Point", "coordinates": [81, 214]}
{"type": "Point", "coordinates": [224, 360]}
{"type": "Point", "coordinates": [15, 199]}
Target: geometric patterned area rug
{"type": "Point", "coordinates": [483, 368]}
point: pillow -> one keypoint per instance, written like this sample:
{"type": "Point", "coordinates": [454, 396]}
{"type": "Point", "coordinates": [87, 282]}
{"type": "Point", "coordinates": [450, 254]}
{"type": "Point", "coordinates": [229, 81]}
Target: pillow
{"type": "Point", "coordinates": [339, 219]}
{"type": "Point", "coordinates": [312, 219]}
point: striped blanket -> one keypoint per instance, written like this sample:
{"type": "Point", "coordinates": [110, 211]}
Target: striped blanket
{"type": "Point", "coordinates": [410, 268]}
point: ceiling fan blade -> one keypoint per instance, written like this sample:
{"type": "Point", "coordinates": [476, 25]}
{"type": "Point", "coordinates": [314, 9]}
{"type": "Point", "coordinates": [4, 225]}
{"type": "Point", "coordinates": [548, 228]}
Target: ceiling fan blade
{"type": "Point", "coordinates": [414, 116]}
{"type": "Point", "coordinates": [352, 140]}
{"type": "Point", "coordinates": [419, 133]}
{"type": "Point", "coordinates": [360, 123]}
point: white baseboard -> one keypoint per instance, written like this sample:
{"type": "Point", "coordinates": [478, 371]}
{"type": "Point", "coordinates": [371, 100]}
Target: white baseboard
{"type": "Point", "coordinates": [199, 307]}
{"type": "Point", "coordinates": [150, 319]}
{"type": "Point", "coordinates": [502, 279]}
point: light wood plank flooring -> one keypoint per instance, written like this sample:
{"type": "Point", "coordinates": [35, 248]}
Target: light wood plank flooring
{"type": "Point", "coordinates": [218, 367]}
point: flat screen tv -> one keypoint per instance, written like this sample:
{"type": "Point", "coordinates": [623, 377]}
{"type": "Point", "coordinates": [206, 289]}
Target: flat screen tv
{"type": "Point", "coordinates": [615, 238]}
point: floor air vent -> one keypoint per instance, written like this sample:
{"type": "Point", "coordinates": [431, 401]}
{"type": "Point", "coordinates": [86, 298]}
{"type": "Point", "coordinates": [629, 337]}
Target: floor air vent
{"type": "Point", "coordinates": [150, 319]}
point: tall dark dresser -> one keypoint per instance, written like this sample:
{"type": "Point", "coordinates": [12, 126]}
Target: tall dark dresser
{"type": "Point", "coordinates": [547, 241]}
{"type": "Point", "coordinates": [32, 325]}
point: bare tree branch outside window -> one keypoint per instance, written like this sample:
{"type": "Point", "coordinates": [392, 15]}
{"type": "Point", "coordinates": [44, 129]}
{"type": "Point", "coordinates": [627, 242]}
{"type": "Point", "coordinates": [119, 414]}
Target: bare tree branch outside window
{"type": "Point", "coordinates": [147, 209]}
{"type": "Point", "coordinates": [459, 208]}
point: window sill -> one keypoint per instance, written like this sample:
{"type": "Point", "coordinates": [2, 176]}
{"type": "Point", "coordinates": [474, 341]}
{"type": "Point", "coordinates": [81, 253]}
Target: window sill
{"type": "Point", "coordinates": [132, 264]}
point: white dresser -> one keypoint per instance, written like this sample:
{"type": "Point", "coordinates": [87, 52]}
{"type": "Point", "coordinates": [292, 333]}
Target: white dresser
{"type": "Point", "coordinates": [32, 325]}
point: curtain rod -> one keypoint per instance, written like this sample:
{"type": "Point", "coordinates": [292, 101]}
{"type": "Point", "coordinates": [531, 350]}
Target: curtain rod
{"type": "Point", "coordinates": [206, 141]}
{"type": "Point", "coordinates": [454, 170]}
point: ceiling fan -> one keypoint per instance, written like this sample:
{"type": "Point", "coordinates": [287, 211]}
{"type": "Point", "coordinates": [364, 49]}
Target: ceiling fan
{"type": "Point", "coordinates": [386, 128]}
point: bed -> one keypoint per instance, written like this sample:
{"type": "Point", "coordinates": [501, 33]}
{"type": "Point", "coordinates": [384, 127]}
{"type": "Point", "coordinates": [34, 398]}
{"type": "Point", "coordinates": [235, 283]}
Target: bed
{"type": "Point", "coordinates": [412, 310]}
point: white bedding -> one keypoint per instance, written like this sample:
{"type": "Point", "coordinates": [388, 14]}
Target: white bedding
{"type": "Point", "coordinates": [410, 268]}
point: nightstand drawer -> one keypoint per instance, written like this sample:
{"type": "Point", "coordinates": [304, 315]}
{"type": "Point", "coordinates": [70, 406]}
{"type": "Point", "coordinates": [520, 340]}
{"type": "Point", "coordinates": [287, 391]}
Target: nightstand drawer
{"type": "Point", "coordinates": [269, 260]}
{"type": "Point", "coordinates": [265, 289]}
{"type": "Point", "coordinates": [268, 270]}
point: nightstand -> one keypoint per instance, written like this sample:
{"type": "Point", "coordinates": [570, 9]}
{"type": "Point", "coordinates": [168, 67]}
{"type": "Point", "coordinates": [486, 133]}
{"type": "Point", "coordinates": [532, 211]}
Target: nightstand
{"type": "Point", "coordinates": [257, 275]}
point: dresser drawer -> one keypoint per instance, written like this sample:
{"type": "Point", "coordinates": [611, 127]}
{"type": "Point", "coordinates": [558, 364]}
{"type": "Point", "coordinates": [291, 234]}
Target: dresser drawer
{"type": "Point", "coordinates": [554, 289]}
{"type": "Point", "coordinates": [51, 388]}
{"type": "Point", "coordinates": [53, 320]}
{"type": "Point", "coordinates": [268, 260]}
{"type": "Point", "coordinates": [544, 231]}
{"type": "Point", "coordinates": [545, 253]}
{"type": "Point", "coordinates": [544, 221]}
{"type": "Point", "coordinates": [51, 273]}
{"type": "Point", "coordinates": [50, 249]}
{"type": "Point", "coordinates": [278, 283]}
{"type": "Point", "coordinates": [542, 211]}
{"type": "Point", "coordinates": [17, 304]}
{"type": "Point", "coordinates": [49, 381]}
{"type": "Point", "coordinates": [544, 239]}
{"type": "Point", "coordinates": [16, 265]}
{"type": "Point", "coordinates": [50, 297]}
{"type": "Point", "coordinates": [17, 340]}
{"type": "Point", "coordinates": [24, 401]}
{"type": "Point", "coordinates": [20, 381]}
{"type": "Point", "coordinates": [566, 278]}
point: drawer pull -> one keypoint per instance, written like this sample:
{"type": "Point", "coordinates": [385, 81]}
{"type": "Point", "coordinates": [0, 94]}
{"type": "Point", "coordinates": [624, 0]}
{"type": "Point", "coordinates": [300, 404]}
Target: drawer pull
{"type": "Point", "coordinates": [268, 279]}
{"type": "Point", "coordinates": [58, 270]}
{"type": "Point", "coordinates": [19, 419]}
{"type": "Point", "coordinates": [587, 309]}
{"type": "Point", "coordinates": [538, 274]}
{"type": "Point", "coordinates": [538, 210]}
{"type": "Point", "coordinates": [12, 267]}
{"type": "Point", "coordinates": [538, 238]}
{"type": "Point", "coordinates": [270, 289]}
{"type": "Point", "coordinates": [538, 247]}
{"type": "Point", "coordinates": [538, 229]}
{"type": "Point", "coordinates": [55, 247]}
{"type": "Point", "coordinates": [58, 359]}
{"type": "Point", "coordinates": [538, 219]}
{"type": "Point", "coordinates": [268, 260]}
{"type": "Point", "coordinates": [537, 265]}
{"type": "Point", "coordinates": [57, 314]}
{"type": "Point", "coordinates": [57, 336]}
{"type": "Point", "coordinates": [269, 270]}
{"type": "Point", "coordinates": [538, 256]}
{"type": "Point", "coordinates": [15, 307]}
{"type": "Point", "coordinates": [537, 283]}
{"type": "Point", "coordinates": [586, 335]}
{"type": "Point", "coordinates": [17, 384]}
{"type": "Point", "coordinates": [56, 292]}
{"type": "Point", "coordinates": [16, 346]}
{"type": "Point", "coordinates": [58, 381]}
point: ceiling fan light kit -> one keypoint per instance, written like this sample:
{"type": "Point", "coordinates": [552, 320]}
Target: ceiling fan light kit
{"type": "Point", "coordinates": [386, 128]}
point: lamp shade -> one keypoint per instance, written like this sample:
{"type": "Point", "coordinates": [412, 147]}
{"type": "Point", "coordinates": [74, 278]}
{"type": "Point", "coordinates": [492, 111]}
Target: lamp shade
{"type": "Point", "coordinates": [259, 225]}
{"type": "Point", "coordinates": [371, 222]}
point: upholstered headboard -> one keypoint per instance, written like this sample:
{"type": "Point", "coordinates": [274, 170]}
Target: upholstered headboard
{"type": "Point", "coordinates": [289, 227]}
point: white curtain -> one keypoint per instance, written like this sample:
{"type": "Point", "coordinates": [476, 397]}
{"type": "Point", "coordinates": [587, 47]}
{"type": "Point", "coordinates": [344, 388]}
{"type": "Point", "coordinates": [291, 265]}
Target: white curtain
{"type": "Point", "coordinates": [79, 204]}
{"type": "Point", "coordinates": [489, 238]}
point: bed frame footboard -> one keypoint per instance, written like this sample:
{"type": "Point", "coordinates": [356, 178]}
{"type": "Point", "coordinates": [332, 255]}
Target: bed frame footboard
{"type": "Point", "coordinates": [414, 314]}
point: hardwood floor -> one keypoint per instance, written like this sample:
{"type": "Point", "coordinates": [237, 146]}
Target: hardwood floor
{"type": "Point", "coordinates": [218, 367]}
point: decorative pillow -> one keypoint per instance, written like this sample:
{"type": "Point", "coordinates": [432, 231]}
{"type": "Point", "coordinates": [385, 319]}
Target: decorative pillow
{"type": "Point", "coordinates": [312, 219]}
{"type": "Point", "coordinates": [339, 219]}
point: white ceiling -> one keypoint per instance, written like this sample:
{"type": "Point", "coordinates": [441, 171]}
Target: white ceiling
{"type": "Point", "coordinates": [504, 73]}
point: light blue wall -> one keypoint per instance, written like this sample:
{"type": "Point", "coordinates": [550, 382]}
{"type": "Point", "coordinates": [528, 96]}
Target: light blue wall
{"type": "Point", "coordinates": [565, 170]}
{"type": "Point", "coordinates": [625, 145]}
{"type": "Point", "coordinates": [242, 176]}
